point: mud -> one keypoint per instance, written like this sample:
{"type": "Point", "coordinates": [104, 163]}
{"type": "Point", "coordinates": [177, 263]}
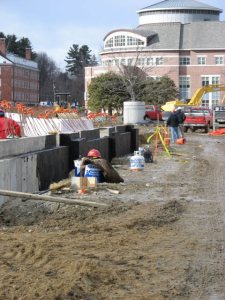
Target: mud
{"type": "Point", "coordinates": [161, 237]}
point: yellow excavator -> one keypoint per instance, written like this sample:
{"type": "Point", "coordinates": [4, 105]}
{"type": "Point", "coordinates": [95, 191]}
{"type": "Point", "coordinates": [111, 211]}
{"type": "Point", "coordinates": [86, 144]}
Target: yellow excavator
{"type": "Point", "coordinates": [196, 98]}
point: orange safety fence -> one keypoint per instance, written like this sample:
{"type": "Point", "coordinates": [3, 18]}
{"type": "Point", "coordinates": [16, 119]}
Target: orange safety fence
{"type": "Point", "coordinates": [217, 132]}
{"type": "Point", "coordinates": [37, 111]}
{"type": "Point", "coordinates": [39, 120]}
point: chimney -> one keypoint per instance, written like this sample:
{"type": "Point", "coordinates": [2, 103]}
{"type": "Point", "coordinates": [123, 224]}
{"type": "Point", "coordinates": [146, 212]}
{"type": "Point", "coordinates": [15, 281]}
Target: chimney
{"type": "Point", "coordinates": [2, 46]}
{"type": "Point", "coordinates": [28, 53]}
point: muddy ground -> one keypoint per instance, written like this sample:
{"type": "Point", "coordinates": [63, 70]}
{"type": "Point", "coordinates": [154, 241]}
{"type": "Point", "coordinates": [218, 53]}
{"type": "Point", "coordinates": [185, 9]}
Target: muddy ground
{"type": "Point", "coordinates": [161, 237]}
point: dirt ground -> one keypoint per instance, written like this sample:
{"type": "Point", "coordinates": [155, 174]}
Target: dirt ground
{"type": "Point", "coordinates": [161, 237]}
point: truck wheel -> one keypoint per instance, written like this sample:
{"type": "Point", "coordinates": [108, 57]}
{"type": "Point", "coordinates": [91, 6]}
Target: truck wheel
{"type": "Point", "coordinates": [185, 129]}
{"type": "Point", "coordinates": [207, 128]}
{"type": "Point", "coordinates": [193, 129]}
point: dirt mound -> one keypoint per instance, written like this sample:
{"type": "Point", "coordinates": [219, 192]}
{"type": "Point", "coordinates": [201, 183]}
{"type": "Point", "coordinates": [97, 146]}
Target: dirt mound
{"type": "Point", "coordinates": [161, 237]}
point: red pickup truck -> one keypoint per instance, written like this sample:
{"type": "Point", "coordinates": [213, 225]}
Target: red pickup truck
{"type": "Point", "coordinates": [153, 112]}
{"type": "Point", "coordinates": [198, 118]}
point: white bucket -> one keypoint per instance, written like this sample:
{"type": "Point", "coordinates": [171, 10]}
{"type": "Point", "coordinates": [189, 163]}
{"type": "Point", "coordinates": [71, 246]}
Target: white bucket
{"type": "Point", "coordinates": [137, 162]}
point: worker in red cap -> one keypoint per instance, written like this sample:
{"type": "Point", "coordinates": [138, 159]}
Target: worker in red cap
{"type": "Point", "coordinates": [8, 127]}
{"type": "Point", "coordinates": [106, 171]}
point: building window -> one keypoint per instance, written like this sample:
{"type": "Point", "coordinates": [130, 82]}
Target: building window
{"type": "Point", "coordinates": [130, 61]}
{"type": "Point", "coordinates": [210, 99]}
{"type": "Point", "coordinates": [159, 61]}
{"type": "Point", "coordinates": [219, 60]}
{"type": "Point", "coordinates": [184, 87]}
{"type": "Point", "coordinates": [150, 61]}
{"type": "Point", "coordinates": [201, 60]}
{"type": "Point", "coordinates": [117, 62]}
{"type": "Point", "coordinates": [184, 60]}
{"type": "Point", "coordinates": [131, 41]}
{"type": "Point", "coordinates": [123, 61]}
{"type": "Point", "coordinates": [109, 43]}
{"type": "Point", "coordinates": [124, 40]}
{"type": "Point", "coordinates": [141, 61]}
{"type": "Point", "coordinates": [119, 40]}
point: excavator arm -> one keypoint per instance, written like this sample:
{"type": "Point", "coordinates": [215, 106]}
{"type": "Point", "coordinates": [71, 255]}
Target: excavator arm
{"type": "Point", "coordinates": [196, 98]}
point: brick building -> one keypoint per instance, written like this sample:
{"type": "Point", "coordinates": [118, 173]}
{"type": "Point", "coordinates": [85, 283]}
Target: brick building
{"type": "Point", "coordinates": [183, 39]}
{"type": "Point", "coordinates": [19, 77]}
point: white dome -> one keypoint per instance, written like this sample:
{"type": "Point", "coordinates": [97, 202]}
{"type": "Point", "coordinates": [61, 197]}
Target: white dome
{"type": "Point", "coordinates": [183, 11]}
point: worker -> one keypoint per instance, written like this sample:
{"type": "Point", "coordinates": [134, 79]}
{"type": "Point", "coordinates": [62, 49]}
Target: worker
{"type": "Point", "coordinates": [173, 123]}
{"type": "Point", "coordinates": [108, 173]}
{"type": "Point", "coordinates": [181, 118]}
{"type": "Point", "coordinates": [8, 127]}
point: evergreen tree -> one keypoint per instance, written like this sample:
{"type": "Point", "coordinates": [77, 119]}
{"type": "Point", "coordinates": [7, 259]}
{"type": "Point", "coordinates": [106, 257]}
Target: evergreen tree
{"type": "Point", "coordinates": [107, 92]}
{"type": "Point", "coordinates": [78, 58]}
{"type": "Point", "coordinates": [18, 47]}
{"type": "Point", "coordinates": [159, 91]}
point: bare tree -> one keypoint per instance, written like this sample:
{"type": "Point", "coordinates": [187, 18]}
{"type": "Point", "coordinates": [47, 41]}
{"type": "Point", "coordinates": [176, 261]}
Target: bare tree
{"type": "Point", "coordinates": [135, 73]}
{"type": "Point", "coordinates": [47, 76]}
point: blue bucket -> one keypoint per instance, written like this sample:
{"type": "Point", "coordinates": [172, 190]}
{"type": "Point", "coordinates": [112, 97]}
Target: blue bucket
{"type": "Point", "coordinates": [93, 171]}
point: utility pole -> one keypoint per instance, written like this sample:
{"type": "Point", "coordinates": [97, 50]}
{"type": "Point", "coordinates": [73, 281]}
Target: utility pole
{"type": "Point", "coordinates": [54, 92]}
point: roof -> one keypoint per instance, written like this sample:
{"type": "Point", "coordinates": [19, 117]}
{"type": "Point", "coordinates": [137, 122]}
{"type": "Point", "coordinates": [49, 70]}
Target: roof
{"type": "Point", "coordinates": [179, 4]}
{"type": "Point", "coordinates": [140, 32]}
{"type": "Point", "coordinates": [167, 35]}
{"type": "Point", "coordinates": [203, 35]}
{"type": "Point", "coordinates": [193, 35]}
{"type": "Point", "coordinates": [174, 36]}
{"type": "Point", "coordinates": [21, 61]}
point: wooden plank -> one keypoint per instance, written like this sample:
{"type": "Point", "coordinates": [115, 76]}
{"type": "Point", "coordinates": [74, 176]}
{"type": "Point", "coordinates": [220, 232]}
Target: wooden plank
{"type": "Point", "coordinates": [29, 196]}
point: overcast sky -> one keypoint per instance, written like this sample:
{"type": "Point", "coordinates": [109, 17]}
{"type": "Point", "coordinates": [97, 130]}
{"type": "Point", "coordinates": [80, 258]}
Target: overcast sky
{"type": "Point", "coordinates": [54, 26]}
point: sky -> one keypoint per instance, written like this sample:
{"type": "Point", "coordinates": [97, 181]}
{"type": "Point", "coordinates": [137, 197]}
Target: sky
{"type": "Point", "coordinates": [54, 26]}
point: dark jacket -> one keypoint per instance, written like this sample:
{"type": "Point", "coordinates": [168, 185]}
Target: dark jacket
{"type": "Point", "coordinates": [173, 120]}
{"type": "Point", "coordinates": [109, 173]}
{"type": "Point", "coordinates": [181, 116]}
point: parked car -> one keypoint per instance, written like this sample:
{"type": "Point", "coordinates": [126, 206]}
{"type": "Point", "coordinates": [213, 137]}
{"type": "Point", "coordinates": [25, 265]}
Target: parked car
{"type": "Point", "coordinates": [198, 117]}
{"type": "Point", "coordinates": [153, 112]}
{"type": "Point", "coordinates": [46, 103]}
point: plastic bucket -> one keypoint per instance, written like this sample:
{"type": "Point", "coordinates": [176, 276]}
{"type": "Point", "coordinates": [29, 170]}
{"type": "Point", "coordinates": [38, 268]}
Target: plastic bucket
{"type": "Point", "coordinates": [167, 141]}
{"type": "Point", "coordinates": [77, 163]}
{"type": "Point", "coordinates": [92, 171]}
{"type": "Point", "coordinates": [181, 141]}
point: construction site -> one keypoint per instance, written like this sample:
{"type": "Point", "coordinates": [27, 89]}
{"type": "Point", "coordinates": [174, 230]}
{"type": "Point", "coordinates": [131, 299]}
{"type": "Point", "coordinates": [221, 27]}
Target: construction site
{"type": "Point", "coordinates": [157, 235]}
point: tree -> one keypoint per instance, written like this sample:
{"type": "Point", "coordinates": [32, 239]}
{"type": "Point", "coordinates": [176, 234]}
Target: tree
{"type": "Point", "coordinates": [78, 58]}
{"type": "Point", "coordinates": [107, 92]}
{"type": "Point", "coordinates": [159, 91]}
{"type": "Point", "coordinates": [133, 79]}
{"type": "Point", "coordinates": [47, 76]}
{"type": "Point", "coordinates": [16, 46]}
{"type": "Point", "coordinates": [22, 44]}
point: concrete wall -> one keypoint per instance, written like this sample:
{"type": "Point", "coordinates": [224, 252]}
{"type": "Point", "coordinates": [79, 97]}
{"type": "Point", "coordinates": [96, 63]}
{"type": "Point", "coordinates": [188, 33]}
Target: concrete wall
{"type": "Point", "coordinates": [34, 171]}
{"type": "Point", "coordinates": [32, 164]}
{"type": "Point", "coordinates": [13, 147]}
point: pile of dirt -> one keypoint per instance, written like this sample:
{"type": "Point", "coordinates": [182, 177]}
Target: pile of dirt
{"type": "Point", "coordinates": [160, 237]}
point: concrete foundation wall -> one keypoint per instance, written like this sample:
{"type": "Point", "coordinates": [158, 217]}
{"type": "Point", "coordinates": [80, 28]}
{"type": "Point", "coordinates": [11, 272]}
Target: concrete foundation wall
{"type": "Point", "coordinates": [13, 147]}
{"type": "Point", "coordinates": [34, 171]}
{"type": "Point", "coordinates": [32, 164]}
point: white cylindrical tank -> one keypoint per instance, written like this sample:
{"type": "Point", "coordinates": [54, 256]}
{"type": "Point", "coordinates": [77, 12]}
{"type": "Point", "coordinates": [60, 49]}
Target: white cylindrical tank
{"type": "Point", "coordinates": [133, 112]}
{"type": "Point", "coordinates": [137, 162]}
